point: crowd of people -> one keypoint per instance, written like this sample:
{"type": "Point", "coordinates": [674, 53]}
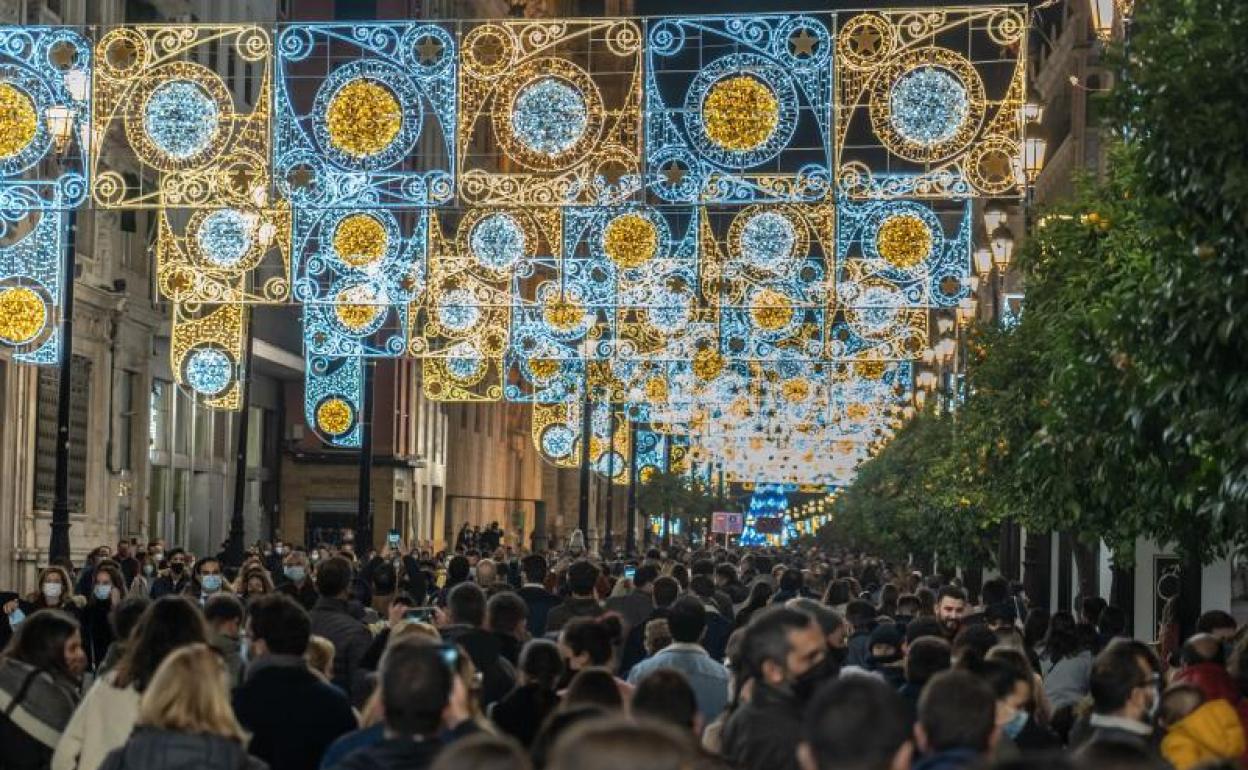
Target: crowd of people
{"type": "Point", "coordinates": [148, 657]}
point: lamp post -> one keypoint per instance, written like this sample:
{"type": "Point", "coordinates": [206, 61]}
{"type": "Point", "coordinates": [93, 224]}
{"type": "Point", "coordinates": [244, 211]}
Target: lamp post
{"type": "Point", "coordinates": [364, 509]}
{"type": "Point", "coordinates": [234, 545]}
{"type": "Point", "coordinates": [630, 537]}
{"type": "Point", "coordinates": [1103, 13]}
{"type": "Point", "coordinates": [62, 124]}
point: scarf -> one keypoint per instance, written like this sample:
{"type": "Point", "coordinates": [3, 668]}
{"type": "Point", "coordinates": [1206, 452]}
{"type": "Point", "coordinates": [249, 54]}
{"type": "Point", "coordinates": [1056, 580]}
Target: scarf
{"type": "Point", "coordinates": [36, 701]}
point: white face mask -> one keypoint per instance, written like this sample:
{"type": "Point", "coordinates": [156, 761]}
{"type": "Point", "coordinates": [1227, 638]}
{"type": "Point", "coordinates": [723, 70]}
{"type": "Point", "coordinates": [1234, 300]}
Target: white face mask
{"type": "Point", "coordinates": [52, 590]}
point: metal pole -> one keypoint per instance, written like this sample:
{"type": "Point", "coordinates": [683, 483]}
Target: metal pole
{"type": "Point", "coordinates": [58, 545]}
{"type": "Point", "coordinates": [364, 513]}
{"type": "Point", "coordinates": [630, 537]}
{"type": "Point", "coordinates": [606, 537]}
{"type": "Point", "coordinates": [234, 546]}
{"type": "Point", "coordinates": [586, 431]}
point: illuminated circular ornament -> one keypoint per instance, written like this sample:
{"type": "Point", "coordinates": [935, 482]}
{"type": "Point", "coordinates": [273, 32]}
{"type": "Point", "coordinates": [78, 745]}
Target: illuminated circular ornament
{"type": "Point", "coordinates": [903, 241]}
{"type": "Point", "coordinates": [668, 311]}
{"type": "Point", "coordinates": [334, 416]}
{"type": "Point", "coordinates": [768, 240]}
{"type": "Point", "coordinates": [610, 464]}
{"type": "Point", "coordinates": [359, 309]}
{"type": "Point", "coordinates": [876, 310]}
{"type": "Point", "coordinates": [224, 237]}
{"type": "Point", "coordinates": [181, 118]}
{"type": "Point", "coordinates": [795, 390]}
{"type": "Point", "coordinates": [630, 240]}
{"type": "Point", "coordinates": [770, 310]}
{"type": "Point", "coordinates": [549, 116]}
{"type": "Point", "coordinates": [363, 118]}
{"type": "Point", "coordinates": [564, 314]}
{"type": "Point", "coordinates": [656, 390]}
{"type": "Point", "coordinates": [360, 240]}
{"type": "Point", "coordinates": [23, 315]}
{"type": "Point", "coordinates": [464, 362]}
{"type": "Point", "coordinates": [209, 371]}
{"type": "Point", "coordinates": [557, 441]}
{"type": "Point", "coordinates": [740, 113]}
{"type": "Point", "coordinates": [459, 311]}
{"type": "Point", "coordinates": [543, 369]}
{"type": "Point", "coordinates": [708, 363]}
{"type": "Point", "coordinates": [19, 121]}
{"type": "Point", "coordinates": [928, 105]}
{"type": "Point", "coordinates": [497, 241]}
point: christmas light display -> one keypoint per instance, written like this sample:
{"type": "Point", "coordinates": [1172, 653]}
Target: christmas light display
{"type": "Point", "coordinates": [767, 521]}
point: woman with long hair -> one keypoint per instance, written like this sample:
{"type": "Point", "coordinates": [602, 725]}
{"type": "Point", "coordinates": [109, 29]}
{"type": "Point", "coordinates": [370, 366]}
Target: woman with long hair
{"type": "Point", "coordinates": [108, 588]}
{"type": "Point", "coordinates": [110, 708]}
{"type": "Point", "coordinates": [185, 715]}
{"type": "Point", "coordinates": [40, 672]}
{"type": "Point", "coordinates": [523, 710]}
{"type": "Point", "coordinates": [1065, 663]}
{"type": "Point", "coordinates": [55, 592]}
{"type": "Point", "coordinates": [760, 594]}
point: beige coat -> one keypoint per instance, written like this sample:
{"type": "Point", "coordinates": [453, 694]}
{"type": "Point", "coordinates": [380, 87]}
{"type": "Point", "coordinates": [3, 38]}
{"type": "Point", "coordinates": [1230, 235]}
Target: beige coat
{"type": "Point", "coordinates": [102, 722]}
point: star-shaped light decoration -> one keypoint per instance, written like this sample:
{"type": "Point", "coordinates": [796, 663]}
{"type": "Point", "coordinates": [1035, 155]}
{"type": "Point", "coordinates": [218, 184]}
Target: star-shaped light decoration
{"type": "Point", "coordinates": [613, 171]}
{"type": "Point", "coordinates": [674, 173]}
{"type": "Point", "coordinates": [430, 50]}
{"type": "Point", "coordinates": [299, 177]}
{"type": "Point", "coordinates": [996, 167]}
{"type": "Point", "coordinates": [488, 51]}
{"type": "Point", "coordinates": [804, 43]}
{"type": "Point", "coordinates": [122, 54]}
{"type": "Point", "coordinates": [62, 55]}
{"type": "Point", "coordinates": [866, 42]}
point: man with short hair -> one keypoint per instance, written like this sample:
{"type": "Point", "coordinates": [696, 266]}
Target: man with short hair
{"type": "Point", "coordinates": [857, 723]}
{"type": "Point", "coordinates": [665, 695]}
{"type": "Point", "coordinates": [224, 613]}
{"type": "Point", "coordinates": [534, 593]}
{"type": "Point", "coordinates": [957, 725]}
{"type": "Point", "coordinates": [782, 651]}
{"type": "Point", "coordinates": [1219, 623]}
{"type": "Point", "coordinates": [686, 619]}
{"type": "Point", "coordinates": [664, 592]}
{"type": "Point", "coordinates": [466, 605]}
{"type": "Point", "coordinates": [507, 617]}
{"type": "Point", "coordinates": [421, 696]}
{"type": "Point", "coordinates": [718, 626]}
{"type": "Point", "coordinates": [635, 607]}
{"type": "Point", "coordinates": [332, 619]}
{"type": "Point", "coordinates": [291, 713]}
{"type": "Point", "coordinates": [1123, 690]}
{"type": "Point", "coordinates": [926, 657]}
{"type": "Point", "coordinates": [950, 609]}
{"type": "Point", "coordinates": [861, 616]}
{"type": "Point", "coordinates": [582, 577]}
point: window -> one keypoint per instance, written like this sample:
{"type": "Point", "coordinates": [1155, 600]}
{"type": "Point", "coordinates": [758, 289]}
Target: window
{"type": "Point", "coordinates": [48, 396]}
{"type": "Point", "coordinates": [159, 405]}
{"type": "Point", "coordinates": [127, 386]}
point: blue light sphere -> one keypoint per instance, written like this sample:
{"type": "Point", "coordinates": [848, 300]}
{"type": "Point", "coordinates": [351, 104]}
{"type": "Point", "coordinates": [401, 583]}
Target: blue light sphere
{"type": "Point", "coordinates": [464, 362]}
{"type": "Point", "coordinates": [668, 311]}
{"type": "Point", "coordinates": [224, 237]}
{"type": "Point", "coordinates": [557, 441]}
{"type": "Point", "coordinates": [497, 241]}
{"type": "Point", "coordinates": [768, 240]}
{"type": "Point", "coordinates": [458, 310]}
{"type": "Point", "coordinates": [209, 371]}
{"type": "Point", "coordinates": [181, 118]}
{"type": "Point", "coordinates": [549, 116]}
{"type": "Point", "coordinates": [928, 105]}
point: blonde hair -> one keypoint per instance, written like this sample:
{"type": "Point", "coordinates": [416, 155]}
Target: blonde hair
{"type": "Point", "coordinates": [320, 655]}
{"type": "Point", "coordinates": [414, 628]}
{"type": "Point", "coordinates": [189, 694]}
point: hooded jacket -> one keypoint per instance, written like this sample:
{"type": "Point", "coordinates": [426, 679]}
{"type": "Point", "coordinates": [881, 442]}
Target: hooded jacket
{"type": "Point", "coordinates": [1211, 732]}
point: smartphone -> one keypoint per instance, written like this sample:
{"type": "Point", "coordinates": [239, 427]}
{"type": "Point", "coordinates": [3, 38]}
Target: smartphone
{"type": "Point", "coordinates": [629, 571]}
{"type": "Point", "coordinates": [420, 614]}
{"type": "Point", "coordinates": [450, 655]}
{"type": "Point", "coordinates": [393, 538]}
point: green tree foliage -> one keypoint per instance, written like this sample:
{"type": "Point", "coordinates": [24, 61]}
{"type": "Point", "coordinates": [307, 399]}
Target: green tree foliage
{"type": "Point", "coordinates": [1118, 408]}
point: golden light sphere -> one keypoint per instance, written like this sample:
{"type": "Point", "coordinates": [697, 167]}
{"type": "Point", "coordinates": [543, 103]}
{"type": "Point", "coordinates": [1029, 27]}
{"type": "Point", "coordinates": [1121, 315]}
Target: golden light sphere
{"type": "Point", "coordinates": [772, 311]}
{"type": "Point", "coordinates": [795, 390]}
{"type": "Point", "coordinates": [869, 369]}
{"type": "Point", "coordinates": [707, 364]}
{"type": "Point", "coordinates": [363, 118]}
{"type": "Point", "coordinates": [904, 241]}
{"type": "Point", "coordinates": [740, 113]}
{"type": "Point", "coordinates": [564, 314]}
{"type": "Point", "coordinates": [19, 122]}
{"type": "Point", "coordinates": [630, 240]}
{"type": "Point", "coordinates": [360, 240]}
{"type": "Point", "coordinates": [544, 368]}
{"type": "Point", "coordinates": [656, 390]}
{"type": "Point", "coordinates": [22, 315]}
{"type": "Point", "coordinates": [357, 308]}
{"type": "Point", "coordinates": [334, 416]}
{"type": "Point", "coordinates": [857, 411]}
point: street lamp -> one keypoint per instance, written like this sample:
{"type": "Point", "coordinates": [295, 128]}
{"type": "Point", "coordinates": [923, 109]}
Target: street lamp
{"type": "Point", "coordinates": [996, 214]}
{"type": "Point", "coordinates": [1035, 143]}
{"type": "Point", "coordinates": [1103, 12]}
{"type": "Point", "coordinates": [983, 260]}
{"type": "Point", "coordinates": [1001, 241]}
{"type": "Point", "coordinates": [1033, 106]}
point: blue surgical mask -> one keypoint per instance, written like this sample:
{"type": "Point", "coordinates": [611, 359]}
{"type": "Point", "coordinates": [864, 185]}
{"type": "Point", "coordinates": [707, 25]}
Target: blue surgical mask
{"type": "Point", "coordinates": [1016, 724]}
{"type": "Point", "coordinates": [149, 569]}
{"type": "Point", "coordinates": [211, 583]}
{"type": "Point", "coordinates": [103, 591]}
{"type": "Point", "coordinates": [295, 573]}
{"type": "Point", "coordinates": [16, 617]}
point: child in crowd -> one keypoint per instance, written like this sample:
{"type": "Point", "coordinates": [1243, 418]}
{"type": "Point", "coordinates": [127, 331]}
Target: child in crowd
{"type": "Point", "coordinates": [1197, 731]}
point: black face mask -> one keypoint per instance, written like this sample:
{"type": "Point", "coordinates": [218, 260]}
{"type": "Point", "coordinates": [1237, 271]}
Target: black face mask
{"type": "Point", "coordinates": [806, 685]}
{"type": "Point", "coordinates": [177, 568]}
{"type": "Point", "coordinates": [838, 656]}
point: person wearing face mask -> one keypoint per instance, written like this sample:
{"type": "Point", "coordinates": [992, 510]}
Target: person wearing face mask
{"type": "Point", "coordinates": [783, 652]}
{"type": "Point", "coordinates": [53, 593]}
{"type": "Point", "coordinates": [141, 585]}
{"type": "Point", "coordinates": [1020, 733]}
{"type": "Point", "coordinates": [175, 579]}
{"type": "Point", "coordinates": [296, 580]}
{"type": "Point", "coordinates": [884, 654]}
{"type": "Point", "coordinates": [97, 631]}
{"type": "Point", "coordinates": [832, 623]}
{"type": "Point", "coordinates": [40, 673]}
{"type": "Point", "coordinates": [1124, 693]}
{"type": "Point", "coordinates": [208, 580]}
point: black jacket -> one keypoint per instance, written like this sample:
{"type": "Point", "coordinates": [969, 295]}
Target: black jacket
{"type": "Point", "coordinates": [393, 754]}
{"type": "Point", "coordinates": [763, 734]}
{"type": "Point", "coordinates": [292, 714]}
{"type": "Point", "coordinates": [540, 602]}
{"type": "Point", "coordinates": [332, 619]}
{"type": "Point", "coordinates": [573, 607]}
{"type": "Point", "coordinates": [97, 634]}
{"type": "Point", "coordinates": [152, 749]}
{"type": "Point", "coordinates": [305, 594]}
{"type": "Point", "coordinates": [523, 711]}
{"type": "Point", "coordinates": [497, 675]}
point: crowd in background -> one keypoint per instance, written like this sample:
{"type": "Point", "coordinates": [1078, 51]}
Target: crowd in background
{"type": "Point", "coordinates": [487, 657]}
